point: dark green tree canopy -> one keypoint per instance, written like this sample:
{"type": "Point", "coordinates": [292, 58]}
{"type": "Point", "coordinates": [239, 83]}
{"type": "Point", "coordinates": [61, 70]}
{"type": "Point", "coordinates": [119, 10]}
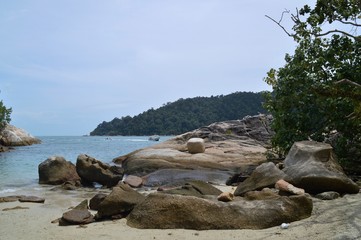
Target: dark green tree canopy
{"type": "Point", "coordinates": [185, 115]}
{"type": "Point", "coordinates": [317, 94]}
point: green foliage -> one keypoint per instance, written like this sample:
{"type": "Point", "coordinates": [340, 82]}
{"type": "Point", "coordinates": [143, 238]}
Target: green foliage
{"type": "Point", "coordinates": [318, 93]}
{"type": "Point", "coordinates": [4, 115]}
{"type": "Point", "coordinates": [185, 115]}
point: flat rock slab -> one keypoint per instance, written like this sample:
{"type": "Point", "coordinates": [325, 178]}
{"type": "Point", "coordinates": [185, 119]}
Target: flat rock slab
{"type": "Point", "coordinates": [32, 199]}
{"type": "Point", "coordinates": [76, 217]}
{"type": "Point", "coordinates": [15, 208]}
{"type": "Point", "coordinates": [10, 198]}
{"type": "Point", "coordinates": [180, 176]}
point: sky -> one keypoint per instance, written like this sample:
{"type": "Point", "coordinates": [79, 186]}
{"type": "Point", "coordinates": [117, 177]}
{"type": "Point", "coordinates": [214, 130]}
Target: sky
{"type": "Point", "coordinates": [66, 66]}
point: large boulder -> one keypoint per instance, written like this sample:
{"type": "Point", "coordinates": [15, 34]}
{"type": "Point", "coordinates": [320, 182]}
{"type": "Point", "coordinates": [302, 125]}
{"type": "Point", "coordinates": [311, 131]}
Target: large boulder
{"type": "Point", "coordinates": [231, 145]}
{"type": "Point", "coordinates": [92, 170]}
{"type": "Point", "coordinates": [166, 211]}
{"type": "Point", "coordinates": [313, 167]}
{"type": "Point", "coordinates": [13, 136]}
{"type": "Point", "coordinates": [119, 202]}
{"type": "Point", "coordinates": [265, 175]}
{"type": "Point", "coordinates": [56, 170]}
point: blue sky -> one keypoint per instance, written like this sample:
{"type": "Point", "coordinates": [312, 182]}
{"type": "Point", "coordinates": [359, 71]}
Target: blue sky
{"type": "Point", "coordinates": [66, 66]}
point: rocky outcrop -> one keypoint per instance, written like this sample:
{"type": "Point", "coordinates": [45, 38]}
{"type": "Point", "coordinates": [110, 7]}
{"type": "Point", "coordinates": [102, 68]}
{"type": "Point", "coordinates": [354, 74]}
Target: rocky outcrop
{"type": "Point", "coordinates": [13, 136]}
{"type": "Point", "coordinates": [92, 170]}
{"type": "Point", "coordinates": [230, 145]}
{"type": "Point", "coordinates": [119, 202]}
{"type": "Point", "coordinates": [265, 175]}
{"type": "Point", "coordinates": [312, 166]}
{"type": "Point", "coordinates": [164, 211]}
{"type": "Point", "coordinates": [56, 170]}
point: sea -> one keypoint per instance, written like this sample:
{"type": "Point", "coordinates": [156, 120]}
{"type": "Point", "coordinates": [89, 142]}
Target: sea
{"type": "Point", "coordinates": [19, 166]}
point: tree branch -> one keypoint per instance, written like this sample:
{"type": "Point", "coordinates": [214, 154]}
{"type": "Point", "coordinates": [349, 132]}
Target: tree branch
{"type": "Point", "coordinates": [350, 23]}
{"type": "Point", "coordinates": [337, 31]}
{"type": "Point", "coordinates": [347, 81]}
{"type": "Point", "coordinates": [279, 24]}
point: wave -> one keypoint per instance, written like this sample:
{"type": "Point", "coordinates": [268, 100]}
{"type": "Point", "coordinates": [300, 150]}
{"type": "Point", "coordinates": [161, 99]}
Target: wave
{"type": "Point", "coordinates": [137, 140]}
{"type": "Point", "coordinates": [8, 190]}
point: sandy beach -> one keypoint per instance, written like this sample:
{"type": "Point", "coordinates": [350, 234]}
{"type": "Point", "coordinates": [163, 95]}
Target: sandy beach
{"type": "Point", "coordinates": [336, 219]}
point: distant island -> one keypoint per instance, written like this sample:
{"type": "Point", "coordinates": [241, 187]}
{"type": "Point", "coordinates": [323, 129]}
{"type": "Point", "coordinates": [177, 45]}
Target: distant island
{"type": "Point", "coordinates": [184, 115]}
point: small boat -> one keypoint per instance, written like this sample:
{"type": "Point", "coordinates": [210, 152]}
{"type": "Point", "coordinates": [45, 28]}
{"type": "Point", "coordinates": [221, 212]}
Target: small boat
{"type": "Point", "coordinates": [154, 138]}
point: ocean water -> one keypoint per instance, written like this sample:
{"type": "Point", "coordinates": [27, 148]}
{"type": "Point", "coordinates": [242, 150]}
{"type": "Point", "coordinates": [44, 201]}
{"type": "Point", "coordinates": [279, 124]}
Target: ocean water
{"type": "Point", "coordinates": [19, 167]}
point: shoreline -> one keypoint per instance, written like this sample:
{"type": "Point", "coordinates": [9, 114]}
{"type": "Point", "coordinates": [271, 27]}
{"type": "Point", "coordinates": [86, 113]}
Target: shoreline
{"type": "Point", "coordinates": [335, 219]}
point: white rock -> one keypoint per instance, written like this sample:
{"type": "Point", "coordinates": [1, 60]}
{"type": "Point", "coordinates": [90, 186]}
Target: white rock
{"type": "Point", "coordinates": [285, 225]}
{"type": "Point", "coordinates": [196, 145]}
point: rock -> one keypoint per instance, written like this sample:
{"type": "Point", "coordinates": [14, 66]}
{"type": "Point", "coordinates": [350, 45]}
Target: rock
{"type": "Point", "coordinates": [3, 148]}
{"type": "Point", "coordinates": [328, 195]}
{"type": "Point", "coordinates": [133, 181]}
{"type": "Point", "coordinates": [229, 146]}
{"type": "Point", "coordinates": [196, 145]}
{"type": "Point", "coordinates": [120, 201]}
{"type": "Point", "coordinates": [13, 136]}
{"type": "Point", "coordinates": [282, 185]}
{"type": "Point", "coordinates": [264, 194]}
{"type": "Point", "coordinates": [56, 170]}
{"type": "Point", "coordinates": [195, 188]}
{"type": "Point", "coordinates": [76, 217]}
{"type": "Point", "coordinates": [265, 175]}
{"type": "Point", "coordinates": [10, 198]}
{"type": "Point", "coordinates": [96, 200]}
{"type": "Point", "coordinates": [15, 208]}
{"type": "Point", "coordinates": [32, 199]}
{"type": "Point", "coordinates": [312, 166]}
{"type": "Point", "coordinates": [225, 197]}
{"type": "Point", "coordinates": [237, 178]}
{"type": "Point", "coordinates": [163, 211]}
{"type": "Point", "coordinates": [204, 188]}
{"type": "Point", "coordinates": [178, 177]}
{"type": "Point", "coordinates": [71, 185]}
{"type": "Point", "coordinates": [83, 205]}
{"type": "Point", "coordinates": [91, 170]}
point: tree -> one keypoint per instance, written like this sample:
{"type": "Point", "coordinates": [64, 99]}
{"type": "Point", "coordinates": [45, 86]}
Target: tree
{"type": "Point", "coordinates": [4, 115]}
{"type": "Point", "coordinates": [317, 94]}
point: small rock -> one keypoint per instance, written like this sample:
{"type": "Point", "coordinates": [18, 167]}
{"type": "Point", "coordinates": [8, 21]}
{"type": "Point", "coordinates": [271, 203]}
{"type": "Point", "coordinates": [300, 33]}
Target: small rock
{"type": "Point", "coordinates": [225, 197]}
{"type": "Point", "coordinates": [133, 181]}
{"type": "Point", "coordinates": [287, 187]}
{"type": "Point", "coordinates": [15, 208]}
{"type": "Point", "coordinates": [328, 195]}
{"type": "Point", "coordinates": [285, 225]}
{"type": "Point", "coordinates": [196, 145]}
{"type": "Point", "coordinates": [76, 217]}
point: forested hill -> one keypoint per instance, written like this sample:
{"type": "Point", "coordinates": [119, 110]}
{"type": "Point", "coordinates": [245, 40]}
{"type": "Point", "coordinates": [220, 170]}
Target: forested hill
{"type": "Point", "coordinates": [184, 115]}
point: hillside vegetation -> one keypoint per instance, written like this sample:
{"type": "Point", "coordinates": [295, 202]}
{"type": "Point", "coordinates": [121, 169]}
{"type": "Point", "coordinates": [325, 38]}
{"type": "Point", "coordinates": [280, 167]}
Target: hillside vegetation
{"type": "Point", "coordinates": [184, 115]}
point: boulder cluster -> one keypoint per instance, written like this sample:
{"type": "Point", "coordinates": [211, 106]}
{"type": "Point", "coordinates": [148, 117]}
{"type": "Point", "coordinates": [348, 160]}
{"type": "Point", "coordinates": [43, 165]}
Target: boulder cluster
{"type": "Point", "coordinates": [180, 176]}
